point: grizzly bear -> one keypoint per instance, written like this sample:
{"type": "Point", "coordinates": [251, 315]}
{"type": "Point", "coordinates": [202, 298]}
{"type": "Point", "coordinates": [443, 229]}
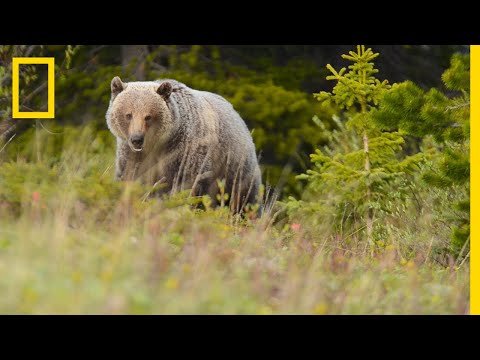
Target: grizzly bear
{"type": "Point", "coordinates": [170, 134]}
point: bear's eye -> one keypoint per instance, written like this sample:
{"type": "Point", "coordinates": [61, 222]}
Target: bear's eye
{"type": "Point", "coordinates": [148, 118]}
{"type": "Point", "coordinates": [129, 116]}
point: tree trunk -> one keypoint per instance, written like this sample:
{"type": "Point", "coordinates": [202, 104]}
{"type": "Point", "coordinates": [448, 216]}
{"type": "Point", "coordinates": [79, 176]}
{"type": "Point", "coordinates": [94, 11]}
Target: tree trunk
{"type": "Point", "coordinates": [136, 54]}
{"type": "Point", "coordinates": [369, 214]}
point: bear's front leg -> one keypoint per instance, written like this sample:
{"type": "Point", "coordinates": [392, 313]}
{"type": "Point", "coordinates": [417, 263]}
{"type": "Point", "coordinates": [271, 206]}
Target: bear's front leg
{"type": "Point", "coordinates": [121, 159]}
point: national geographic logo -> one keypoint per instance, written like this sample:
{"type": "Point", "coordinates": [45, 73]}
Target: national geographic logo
{"type": "Point", "coordinates": [16, 113]}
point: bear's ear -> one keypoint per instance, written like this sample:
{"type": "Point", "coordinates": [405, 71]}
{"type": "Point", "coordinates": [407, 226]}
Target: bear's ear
{"type": "Point", "coordinates": [165, 89]}
{"type": "Point", "coordinates": [117, 86]}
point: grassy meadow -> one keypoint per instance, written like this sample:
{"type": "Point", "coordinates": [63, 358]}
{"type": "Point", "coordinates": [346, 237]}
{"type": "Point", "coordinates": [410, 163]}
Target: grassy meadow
{"type": "Point", "coordinates": [74, 241]}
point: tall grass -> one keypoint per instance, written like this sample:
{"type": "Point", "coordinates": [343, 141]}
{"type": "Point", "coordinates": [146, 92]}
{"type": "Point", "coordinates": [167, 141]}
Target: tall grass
{"type": "Point", "coordinates": [73, 241]}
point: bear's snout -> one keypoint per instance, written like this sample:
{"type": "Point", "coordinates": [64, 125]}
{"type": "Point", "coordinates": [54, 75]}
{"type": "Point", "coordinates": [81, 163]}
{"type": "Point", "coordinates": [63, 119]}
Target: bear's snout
{"type": "Point", "coordinates": [137, 141]}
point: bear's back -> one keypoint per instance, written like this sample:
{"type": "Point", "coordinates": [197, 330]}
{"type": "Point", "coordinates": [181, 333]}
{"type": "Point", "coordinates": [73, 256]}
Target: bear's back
{"type": "Point", "coordinates": [231, 126]}
{"type": "Point", "coordinates": [205, 107]}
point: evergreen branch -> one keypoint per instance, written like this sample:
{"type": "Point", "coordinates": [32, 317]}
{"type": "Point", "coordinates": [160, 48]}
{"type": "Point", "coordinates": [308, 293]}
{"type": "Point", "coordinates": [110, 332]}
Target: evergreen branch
{"type": "Point", "coordinates": [448, 108]}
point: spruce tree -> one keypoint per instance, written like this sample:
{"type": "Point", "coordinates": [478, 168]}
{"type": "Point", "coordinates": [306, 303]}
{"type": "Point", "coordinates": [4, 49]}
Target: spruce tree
{"type": "Point", "coordinates": [447, 119]}
{"type": "Point", "coordinates": [365, 178]}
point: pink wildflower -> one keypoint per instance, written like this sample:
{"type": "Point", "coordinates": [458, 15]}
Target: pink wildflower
{"type": "Point", "coordinates": [295, 227]}
{"type": "Point", "coordinates": [35, 196]}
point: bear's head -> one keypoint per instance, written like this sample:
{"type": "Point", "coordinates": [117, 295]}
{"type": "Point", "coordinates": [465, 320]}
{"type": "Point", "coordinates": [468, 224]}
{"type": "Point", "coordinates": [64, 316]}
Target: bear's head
{"type": "Point", "coordinates": [139, 112]}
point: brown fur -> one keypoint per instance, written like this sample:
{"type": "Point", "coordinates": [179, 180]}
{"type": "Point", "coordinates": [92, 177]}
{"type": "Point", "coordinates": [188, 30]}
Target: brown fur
{"type": "Point", "coordinates": [191, 139]}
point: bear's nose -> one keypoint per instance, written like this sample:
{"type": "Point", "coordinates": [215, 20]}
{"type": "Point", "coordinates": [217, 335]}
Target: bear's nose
{"type": "Point", "coordinates": [137, 140]}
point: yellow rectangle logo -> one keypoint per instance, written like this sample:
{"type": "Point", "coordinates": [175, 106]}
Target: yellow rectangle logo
{"type": "Point", "coordinates": [16, 113]}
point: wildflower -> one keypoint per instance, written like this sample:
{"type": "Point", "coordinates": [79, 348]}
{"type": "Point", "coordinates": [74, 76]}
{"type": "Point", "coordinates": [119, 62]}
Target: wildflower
{"type": "Point", "coordinates": [171, 284]}
{"type": "Point", "coordinates": [295, 227]}
{"type": "Point", "coordinates": [320, 309]}
{"type": "Point", "coordinates": [35, 196]}
{"type": "Point", "coordinates": [265, 310]}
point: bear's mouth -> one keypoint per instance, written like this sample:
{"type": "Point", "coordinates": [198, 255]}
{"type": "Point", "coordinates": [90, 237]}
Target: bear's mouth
{"type": "Point", "coordinates": [136, 149]}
